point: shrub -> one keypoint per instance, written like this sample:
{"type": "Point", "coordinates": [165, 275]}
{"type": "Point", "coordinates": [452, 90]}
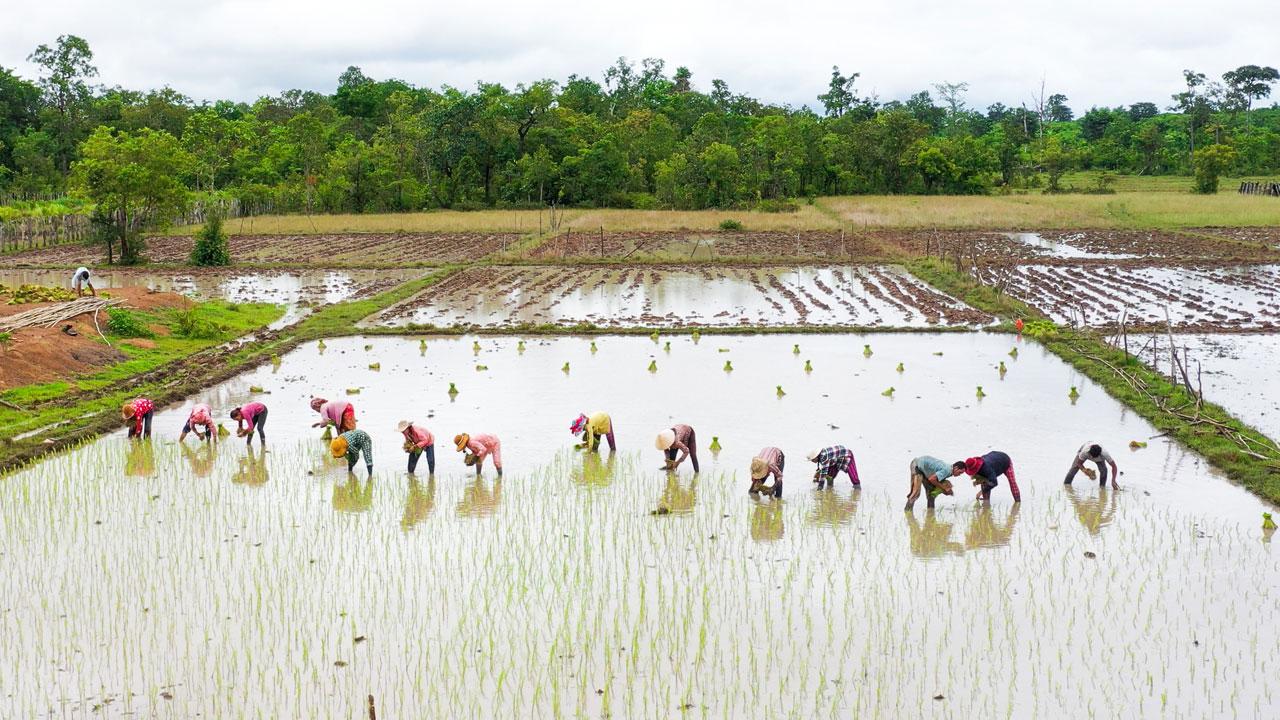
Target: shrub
{"type": "Point", "coordinates": [126, 324]}
{"type": "Point", "coordinates": [211, 244]}
{"type": "Point", "coordinates": [642, 201]}
{"type": "Point", "coordinates": [777, 206]}
{"type": "Point", "coordinates": [730, 224]}
{"type": "Point", "coordinates": [189, 324]}
{"type": "Point", "coordinates": [1210, 163]}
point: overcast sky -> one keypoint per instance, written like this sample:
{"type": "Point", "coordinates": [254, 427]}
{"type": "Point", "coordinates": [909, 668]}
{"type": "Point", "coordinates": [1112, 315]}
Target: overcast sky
{"type": "Point", "coordinates": [1103, 52]}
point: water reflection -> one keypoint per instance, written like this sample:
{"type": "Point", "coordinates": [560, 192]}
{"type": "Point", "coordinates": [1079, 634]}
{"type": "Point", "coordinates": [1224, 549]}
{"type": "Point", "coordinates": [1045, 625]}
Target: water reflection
{"type": "Point", "coordinates": [1096, 512]}
{"type": "Point", "coordinates": [479, 499]}
{"type": "Point", "coordinates": [932, 539]}
{"type": "Point", "coordinates": [199, 458]}
{"type": "Point", "coordinates": [832, 509]}
{"type": "Point", "coordinates": [252, 469]}
{"type": "Point", "coordinates": [595, 471]}
{"type": "Point", "coordinates": [985, 532]}
{"type": "Point", "coordinates": [420, 502]}
{"type": "Point", "coordinates": [676, 498]}
{"type": "Point", "coordinates": [141, 460]}
{"type": "Point", "coordinates": [766, 520]}
{"type": "Point", "coordinates": [354, 496]}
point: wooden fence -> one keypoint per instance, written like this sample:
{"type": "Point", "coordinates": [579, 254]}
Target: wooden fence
{"type": "Point", "coordinates": [1260, 188]}
{"type": "Point", "coordinates": [39, 231]}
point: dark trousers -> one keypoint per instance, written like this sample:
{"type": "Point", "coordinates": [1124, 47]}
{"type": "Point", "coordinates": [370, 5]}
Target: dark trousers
{"type": "Point", "coordinates": [1102, 472]}
{"type": "Point", "coordinates": [146, 426]}
{"type": "Point", "coordinates": [430, 452]}
{"type": "Point", "coordinates": [595, 444]}
{"type": "Point", "coordinates": [259, 424]}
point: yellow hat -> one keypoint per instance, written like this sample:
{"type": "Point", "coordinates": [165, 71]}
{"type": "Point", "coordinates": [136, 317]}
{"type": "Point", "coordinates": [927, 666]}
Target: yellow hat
{"type": "Point", "coordinates": [338, 447]}
{"type": "Point", "coordinates": [460, 441]}
{"type": "Point", "coordinates": [759, 469]}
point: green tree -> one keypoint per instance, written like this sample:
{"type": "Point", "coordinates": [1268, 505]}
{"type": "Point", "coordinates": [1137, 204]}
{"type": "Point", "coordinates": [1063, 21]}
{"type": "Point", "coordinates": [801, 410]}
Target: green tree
{"type": "Point", "coordinates": [211, 248]}
{"type": "Point", "coordinates": [839, 97]}
{"type": "Point", "coordinates": [67, 68]}
{"type": "Point", "coordinates": [721, 167]}
{"type": "Point", "coordinates": [134, 180]}
{"type": "Point", "coordinates": [1211, 162]}
{"type": "Point", "coordinates": [1055, 159]}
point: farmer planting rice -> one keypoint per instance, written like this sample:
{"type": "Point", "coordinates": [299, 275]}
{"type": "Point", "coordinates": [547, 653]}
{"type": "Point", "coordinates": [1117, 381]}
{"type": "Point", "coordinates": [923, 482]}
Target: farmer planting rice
{"type": "Point", "coordinates": [249, 417]}
{"type": "Point", "coordinates": [592, 429]}
{"type": "Point", "coordinates": [1093, 452]}
{"type": "Point", "coordinates": [677, 443]}
{"type": "Point", "coordinates": [418, 441]}
{"type": "Point", "coordinates": [932, 475]}
{"type": "Point", "coordinates": [768, 462]}
{"type": "Point", "coordinates": [985, 470]}
{"type": "Point", "coordinates": [353, 444]}
{"type": "Point", "coordinates": [338, 413]}
{"type": "Point", "coordinates": [831, 462]}
{"type": "Point", "coordinates": [200, 417]}
{"type": "Point", "coordinates": [137, 415]}
{"type": "Point", "coordinates": [475, 448]}
{"type": "Point", "coordinates": [80, 280]}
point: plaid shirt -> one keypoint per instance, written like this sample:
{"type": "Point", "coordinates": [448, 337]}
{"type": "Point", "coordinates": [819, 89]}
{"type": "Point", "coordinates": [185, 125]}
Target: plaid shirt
{"type": "Point", "coordinates": [834, 460]}
{"type": "Point", "coordinates": [358, 441]}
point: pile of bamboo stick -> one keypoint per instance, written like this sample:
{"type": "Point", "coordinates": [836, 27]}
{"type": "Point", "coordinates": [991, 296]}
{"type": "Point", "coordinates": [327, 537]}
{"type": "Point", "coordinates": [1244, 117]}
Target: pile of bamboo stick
{"type": "Point", "coordinates": [51, 315]}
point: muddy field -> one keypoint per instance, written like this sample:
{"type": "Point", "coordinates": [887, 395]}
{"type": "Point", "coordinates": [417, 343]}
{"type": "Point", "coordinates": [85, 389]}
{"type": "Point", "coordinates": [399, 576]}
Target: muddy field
{"type": "Point", "coordinates": [1211, 299]}
{"type": "Point", "coordinates": [232, 583]}
{"type": "Point", "coordinates": [673, 296]}
{"type": "Point", "coordinates": [353, 249]}
{"type": "Point", "coordinates": [1238, 372]}
{"type": "Point", "coordinates": [1268, 236]}
{"type": "Point", "coordinates": [296, 290]}
{"type": "Point", "coordinates": [691, 245]}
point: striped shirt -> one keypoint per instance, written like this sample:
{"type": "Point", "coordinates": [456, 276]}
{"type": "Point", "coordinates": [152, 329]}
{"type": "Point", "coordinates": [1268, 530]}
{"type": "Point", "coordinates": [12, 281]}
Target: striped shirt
{"type": "Point", "coordinates": [773, 458]}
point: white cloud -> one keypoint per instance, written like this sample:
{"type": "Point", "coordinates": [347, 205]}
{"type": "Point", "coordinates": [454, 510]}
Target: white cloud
{"type": "Point", "coordinates": [1094, 51]}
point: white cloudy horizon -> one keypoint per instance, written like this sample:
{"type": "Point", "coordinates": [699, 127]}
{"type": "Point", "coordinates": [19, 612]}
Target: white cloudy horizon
{"type": "Point", "coordinates": [1094, 52]}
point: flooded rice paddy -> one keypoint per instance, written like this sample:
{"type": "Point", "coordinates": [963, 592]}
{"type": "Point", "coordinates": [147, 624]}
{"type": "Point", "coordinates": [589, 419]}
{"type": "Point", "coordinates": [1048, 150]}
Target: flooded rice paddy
{"type": "Point", "coordinates": [1210, 298]}
{"type": "Point", "coordinates": [297, 290]}
{"type": "Point", "coordinates": [153, 580]}
{"type": "Point", "coordinates": [676, 296]}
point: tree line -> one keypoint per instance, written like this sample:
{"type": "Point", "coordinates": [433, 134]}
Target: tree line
{"type": "Point", "coordinates": [639, 136]}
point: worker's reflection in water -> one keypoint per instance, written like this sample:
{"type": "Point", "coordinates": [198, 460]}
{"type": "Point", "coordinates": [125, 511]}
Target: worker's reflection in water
{"type": "Point", "coordinates": [1094, 513]}
{"type": "Point", "coordinates": [200, 458]}
{"type": "Point", "coordinates": [479, 498]}
{"type": "Point", "coordinates": [985, 532]}
{"type": "Point", "coordinates": [932, 538]}
{"type": "Point", "coordinates": [141, 460]}
{"type": "Point", "coordinates": [833, 508]}
{"type": "Point", "coordinates": [353, 496]}
{"type": "Point", "coordinates": [252, 469]}
{"type": "Point", "coordinates": [419, 503]}
{"type": "Point", "coordinates": [677, 498]}
{"type": "Point", "coordinates": [595, 471]}
{"type": "Point", "coordinates": [766, 519]}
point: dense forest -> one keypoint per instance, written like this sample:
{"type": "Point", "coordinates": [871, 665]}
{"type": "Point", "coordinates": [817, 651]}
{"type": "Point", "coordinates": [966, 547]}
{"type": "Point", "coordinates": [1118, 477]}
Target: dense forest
{"type": "Point", "coordinates": [638, 136]}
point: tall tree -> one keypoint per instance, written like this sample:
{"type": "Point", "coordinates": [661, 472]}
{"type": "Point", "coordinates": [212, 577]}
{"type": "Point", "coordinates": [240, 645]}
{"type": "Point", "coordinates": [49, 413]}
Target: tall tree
{"type": "Point", "coordinates": [66, 69]}
{"type": "Point", "coordinates": [1248, 83]}
{"type": "Point", "coordinates": [1194, 104]}
{"type": "Point", "coordinates": [839, 97]}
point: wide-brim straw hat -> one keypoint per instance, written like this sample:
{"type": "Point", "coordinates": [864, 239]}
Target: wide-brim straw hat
{"type": "Point", "coordinates": [460, 441]}
{"type": "Point", "coordinates": [402, 426]}
{"type": "Point", "coordinates": [812, 455]}
{"type": "Point", "coordinates": [665, 439]}
{"type": "Point", "coordinates": [338, 447]}
{"type": "Point", "coordinates": [127, 411]}
{"type": "Point", "coordinates": [759, 469]}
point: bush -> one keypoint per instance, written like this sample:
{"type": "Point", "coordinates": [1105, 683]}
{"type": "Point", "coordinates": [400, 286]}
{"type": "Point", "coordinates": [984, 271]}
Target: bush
{"type": "Point", "coordinates": [777, 206]}
{"type": "Point", "coordinates": [1210, 163]}
{"type": "Point", "coordinates": [189, 324]}
{"type": "Point", "coordinates": [730, 224]}
{"type": "Point", "coordinates": [126, 324]}
{"type": "Point", "coordinates": [211, 248]}
{"type": "Point", "coordinates": [642, 201]}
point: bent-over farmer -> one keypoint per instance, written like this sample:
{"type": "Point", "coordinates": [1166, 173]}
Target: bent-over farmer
{"type": "Point", "coordinates": [418, 441]}
{"type": "Point", "coordinates": [768, 462]}
{"type": "Point", "coordinates": [592, 429]}
{"type": "Point", "coordinates": [931, 475]}
{"type": "Point", "coordinates": [352, 444]}
{"type": "Point", "coordinates": [1093, 452]}
{"type": "Point", "coordinates": [985, 472]}
{"type": "Point", "coordinates": [832, 461]}
{"type": "Point", "coordinates": [678, 443]}
{"type": "Point", "coordinates": [475, 448]}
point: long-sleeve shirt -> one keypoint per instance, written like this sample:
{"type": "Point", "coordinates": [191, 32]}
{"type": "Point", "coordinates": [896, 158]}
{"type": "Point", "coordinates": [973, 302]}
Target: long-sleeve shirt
{"type": "Point", "coordinates": [419, 436]}
{"type": "Point", "coordinates": [774, 459]}
{"type": "Point", "coordinates": [248, 413]}
{"type": "Point", "coordinates": [834, 460]}
{"type": "Point", "coordinates": [684, 442]}
{"type": "Point", "coordinates": [141, 407]}
{"type": "Point", "coordinates": [332, 412]}
{"type": "Point", "coordinates": [202, 415]}
{"type": "Point", "coordinates": [358, 443]}
{"type": "Point", "coordinates": [597, 425]}
{"type": "Point", "coordinates": [995, 464]}
{"type": "Point", "coordinates": [484, 445]}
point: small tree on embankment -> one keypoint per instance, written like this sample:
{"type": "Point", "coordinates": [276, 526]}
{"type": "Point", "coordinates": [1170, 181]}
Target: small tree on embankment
{"type": "Point", "coordinates": [211, 247]}
{"type": "Point", "coordinates": [134, 179]}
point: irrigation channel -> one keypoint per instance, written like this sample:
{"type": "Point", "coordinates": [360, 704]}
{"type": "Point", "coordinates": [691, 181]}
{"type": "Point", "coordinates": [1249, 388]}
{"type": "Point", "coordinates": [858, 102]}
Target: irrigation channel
{"type": "Point", "coordinates": [158, 580]}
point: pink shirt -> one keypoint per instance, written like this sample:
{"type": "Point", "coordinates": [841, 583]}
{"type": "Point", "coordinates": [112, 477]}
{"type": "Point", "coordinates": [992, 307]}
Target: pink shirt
{"type": "Point", "coordinates": [250, 411]}
{"type": "Point", "coordinates": [484, 444]}
{"type": "Point", "coordinates": [419, 436]}
{"type": "Point", "coordinates": [201, 415]}
{"type": "Point", "coordinates": [332, 411]}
